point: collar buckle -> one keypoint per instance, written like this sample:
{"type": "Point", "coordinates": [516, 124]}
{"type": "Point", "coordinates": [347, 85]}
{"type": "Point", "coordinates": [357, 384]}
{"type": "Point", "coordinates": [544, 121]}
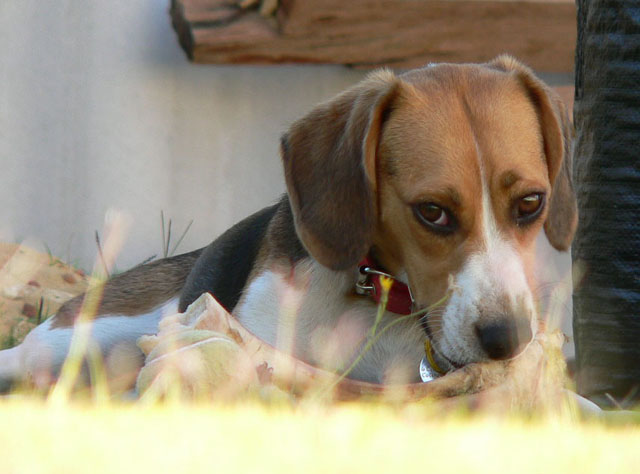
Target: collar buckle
{"type": "Point", "coordinates": [364, 285]}
{"type": "Point", "coordinates": [368, 284]}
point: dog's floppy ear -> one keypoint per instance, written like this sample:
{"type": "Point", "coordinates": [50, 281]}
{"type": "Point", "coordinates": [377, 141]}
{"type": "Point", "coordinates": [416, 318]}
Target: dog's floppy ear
{"type": "Point", "coordinates": [329, 165]}
{"type": "Point", "coordinates": [557, 132]}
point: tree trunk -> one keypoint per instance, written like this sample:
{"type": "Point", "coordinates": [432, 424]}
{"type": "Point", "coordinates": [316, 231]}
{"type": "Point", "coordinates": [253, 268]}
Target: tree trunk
{"type": "Point", "coordinates": [606, 251]}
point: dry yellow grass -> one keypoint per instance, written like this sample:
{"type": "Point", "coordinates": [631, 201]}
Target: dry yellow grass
{"type": "Point", "coordinates": [75, 438]}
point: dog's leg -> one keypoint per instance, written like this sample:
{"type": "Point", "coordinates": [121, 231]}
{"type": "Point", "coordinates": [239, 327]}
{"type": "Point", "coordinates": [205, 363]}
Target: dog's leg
{"type": "Point", "coordinates": [9, 367]}
{"type": "Point", "coordinates": [131, 305]}
{"type": "Point", "coordinates": [40, 356]}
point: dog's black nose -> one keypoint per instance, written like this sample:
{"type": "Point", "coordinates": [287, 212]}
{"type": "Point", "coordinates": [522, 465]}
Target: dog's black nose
{"type": "Point", "coordinates": [504, 338]}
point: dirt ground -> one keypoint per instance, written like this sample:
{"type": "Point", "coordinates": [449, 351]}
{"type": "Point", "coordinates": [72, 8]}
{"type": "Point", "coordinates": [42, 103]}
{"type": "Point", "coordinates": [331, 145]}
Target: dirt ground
{"type": "Point", "coordinates": [33, 285]}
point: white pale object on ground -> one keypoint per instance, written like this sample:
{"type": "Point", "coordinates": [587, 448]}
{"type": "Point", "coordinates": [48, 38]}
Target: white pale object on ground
{"type": "Point", "coordinates": [533, 380]}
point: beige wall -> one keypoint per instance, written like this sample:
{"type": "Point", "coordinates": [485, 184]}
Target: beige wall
{"type": "Point", "coordinates": [99, 109]}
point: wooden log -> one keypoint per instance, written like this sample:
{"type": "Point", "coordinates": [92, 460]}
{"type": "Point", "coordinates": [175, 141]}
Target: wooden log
{"type": "Point", "coordinates": [371, 33]}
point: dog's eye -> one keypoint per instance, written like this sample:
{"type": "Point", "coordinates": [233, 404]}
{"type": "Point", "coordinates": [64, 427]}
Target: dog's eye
{"type": "Point", "coordinates": [529, 207]}
{"type": "Point", "coordinates": [433, 216]}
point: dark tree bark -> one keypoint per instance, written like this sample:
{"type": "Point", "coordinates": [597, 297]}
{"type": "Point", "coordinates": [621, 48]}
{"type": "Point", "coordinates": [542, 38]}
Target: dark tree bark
{"type": "Point", "coordinates": [606, 251]}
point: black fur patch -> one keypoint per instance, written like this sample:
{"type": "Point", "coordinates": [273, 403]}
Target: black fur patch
{"type": "Point", "coordinates": [224, 266]}
{"type": "Point", "coordinates": [283, 240]}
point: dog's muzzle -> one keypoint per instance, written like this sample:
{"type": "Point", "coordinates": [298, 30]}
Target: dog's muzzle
{"type": "Point", "coordinates": [504, 338]}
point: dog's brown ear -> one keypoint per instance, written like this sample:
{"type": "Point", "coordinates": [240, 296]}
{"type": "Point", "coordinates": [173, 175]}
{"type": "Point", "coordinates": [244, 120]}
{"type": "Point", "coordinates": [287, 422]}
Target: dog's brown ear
{"type": "Point", "coordinates": [329, 165]}
{"type": "Point", "coordinates": [562, 217]}
{"type": "Point", "coordinates": [557, 132]}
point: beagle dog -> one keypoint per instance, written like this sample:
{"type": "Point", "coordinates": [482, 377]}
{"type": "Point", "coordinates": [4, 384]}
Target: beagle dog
{"type": "Point", "coordinates": [441, 177]}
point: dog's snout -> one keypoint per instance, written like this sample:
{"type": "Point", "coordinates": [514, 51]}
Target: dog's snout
{"type": "Point", "coordinates": [504, 338]}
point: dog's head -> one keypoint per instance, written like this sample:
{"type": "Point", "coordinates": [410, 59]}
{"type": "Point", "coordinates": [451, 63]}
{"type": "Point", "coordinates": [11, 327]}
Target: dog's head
{"type": "Point", "coordinates": [449, 173]}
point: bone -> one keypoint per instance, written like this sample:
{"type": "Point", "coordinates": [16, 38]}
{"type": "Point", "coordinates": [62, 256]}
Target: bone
{"type": "Point", "coordinates": [533, 380]}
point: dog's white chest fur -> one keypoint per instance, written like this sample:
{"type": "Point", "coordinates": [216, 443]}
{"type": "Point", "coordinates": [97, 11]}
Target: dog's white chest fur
{"type": "Point", "coordinates": [311, 312]}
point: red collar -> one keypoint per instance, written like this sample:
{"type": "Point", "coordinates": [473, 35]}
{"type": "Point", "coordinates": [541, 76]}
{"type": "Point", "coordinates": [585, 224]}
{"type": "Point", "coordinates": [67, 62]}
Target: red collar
{"type": "Point", "coordinates": [400, 300]}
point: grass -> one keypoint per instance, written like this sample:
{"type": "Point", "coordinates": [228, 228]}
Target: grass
{"type": "Point", "coordinates": [68, 434]}
{"type": "Point", "coordinates": [166, 236]}
{"type": "Point", "coordinates": [9, 340]}
{"type": "Point", "coordinates": [257, 438]}
{"type": "Point", "coordinates": [53, 260]}
{"type": "Point", "coordinates": [167, 250]}
{"type": "Point", "coordinates": [42, 312]}
{"type": "Point", "coordinates": [71, 434]}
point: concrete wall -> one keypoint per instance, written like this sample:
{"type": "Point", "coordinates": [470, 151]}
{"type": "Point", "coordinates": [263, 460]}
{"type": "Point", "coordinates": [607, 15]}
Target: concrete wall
{"type": "Point", "coordinates": [99, 110]}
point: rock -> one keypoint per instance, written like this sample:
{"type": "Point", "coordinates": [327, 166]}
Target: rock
{"type": "Point", "coordinates": [29, 310]}
{"type": "Point", "coordinates": [29, 278]}
{"type": "Point", "coordinates": [69, 278]}
{"type": "Point", "coordinates": [18, 292]}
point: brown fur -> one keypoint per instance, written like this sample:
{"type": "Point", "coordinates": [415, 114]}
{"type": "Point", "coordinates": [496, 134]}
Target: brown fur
{"type": "Point", "coordinates": [135, 291]}
{"type": "Point", "coordinates": [326, 156]}
{"type": "Point", "coordinates": [356, 164]}
{"type": "Point", "coordinates": [281, 243]}
{"type": "Point", "coordinates": [471, 139]}
{"type": "Point", "coordinates": [562, 218]}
